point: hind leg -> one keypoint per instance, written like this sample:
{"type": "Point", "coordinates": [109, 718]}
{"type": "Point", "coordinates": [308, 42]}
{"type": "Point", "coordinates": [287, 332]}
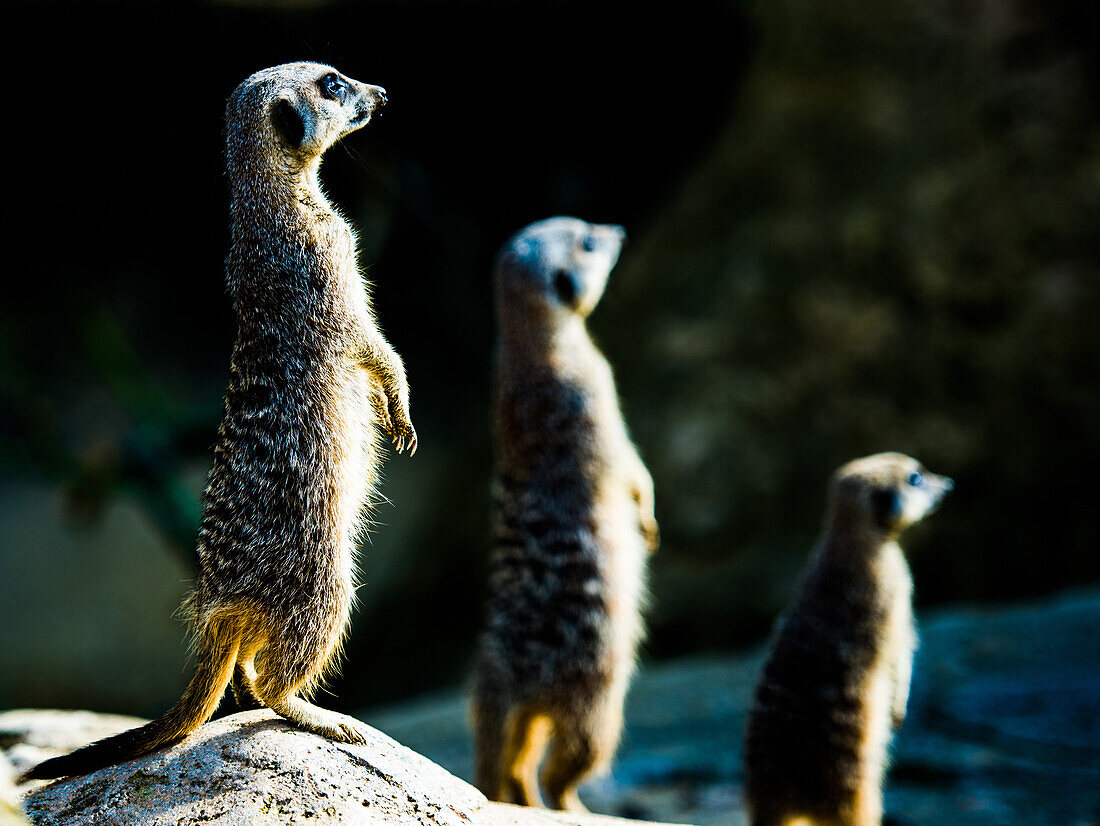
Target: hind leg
{"type": "Point", "coordinates": [330, 724]}
{"type": "Point", "coordinates": [525, 743]}
{"type": "Point", "coordinates": [244, 678]}
{"type": "Point", "coordinates": [866, 808]}
{"type": "Point", "coordinates": [582, 744]}
{"type": "Point", "coordinates": [572, 757]}
{"type": "Point", "coordinates": [508, 746]}
{"type": "Point", "coordinates": [244, 674]}
{"type": "Point", "coordinates": [288, 667]}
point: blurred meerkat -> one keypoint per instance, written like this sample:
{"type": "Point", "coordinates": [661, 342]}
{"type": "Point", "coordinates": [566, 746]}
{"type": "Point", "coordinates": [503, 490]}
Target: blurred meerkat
{"type": "Point", "coordinates": [837, 677]}
{"type": "Point", "coordinates": [312, 382]}
{"type": "Point", "coordinates": [574, 522]}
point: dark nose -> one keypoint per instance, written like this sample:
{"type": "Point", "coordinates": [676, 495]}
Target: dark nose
{"type": "Point", "coordinates": [379, 95]}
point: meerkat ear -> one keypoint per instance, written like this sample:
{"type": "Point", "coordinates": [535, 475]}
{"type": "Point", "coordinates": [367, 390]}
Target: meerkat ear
{"type": "Point", "coordinates": [567, 285]}
{"type": "Point", "coordinates": [886, 505]}
{"type": "Point", "coordinates": [288, 120]}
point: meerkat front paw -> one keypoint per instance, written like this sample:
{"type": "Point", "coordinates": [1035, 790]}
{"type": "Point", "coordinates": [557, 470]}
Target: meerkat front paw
{"type": "Point", "coordinates": [399, 426]}
{"type": "Point", "coordinates": [642, 493]}
{"type": "Point", "coordinates": [393, 418]}
{"type": "Point", "coordinates": [897, 715]}
{"type": "Point", "coordinates": [652, 533]}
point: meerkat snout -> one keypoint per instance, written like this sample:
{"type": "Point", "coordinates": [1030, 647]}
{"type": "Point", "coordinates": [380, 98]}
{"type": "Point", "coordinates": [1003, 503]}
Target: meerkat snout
{"type": "Point", "coordinates": [374, 98]}
{"type": "Point", "coordinates": [618, 231]}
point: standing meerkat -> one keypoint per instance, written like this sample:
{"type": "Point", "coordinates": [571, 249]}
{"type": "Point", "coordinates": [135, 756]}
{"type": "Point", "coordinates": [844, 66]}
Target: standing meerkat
{"type": "Point", "coordinates": [312, 383]}
{"type": "Point", "coordinates": [837, 677]}
{"type": "Point", "coordinates": [573, 519]}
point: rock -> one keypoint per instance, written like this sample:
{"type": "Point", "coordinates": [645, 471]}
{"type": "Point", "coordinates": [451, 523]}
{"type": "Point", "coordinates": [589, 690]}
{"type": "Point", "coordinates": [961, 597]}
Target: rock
{"type": "Point", "coordinates": [9, 796]}
{"type": "Point", "coordinates": [29, 736]}
{"type": "Point", "coordinates": [1003, 726]}
{"type": "Point", "coordinates": [10, 816]}
{"type": "Point", "coordinates": [254, 768]}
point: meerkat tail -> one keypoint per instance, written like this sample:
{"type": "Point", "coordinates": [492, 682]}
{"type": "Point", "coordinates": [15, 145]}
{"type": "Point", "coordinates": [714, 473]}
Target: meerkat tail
{"type": "Point", "coordinates": [200, 700]}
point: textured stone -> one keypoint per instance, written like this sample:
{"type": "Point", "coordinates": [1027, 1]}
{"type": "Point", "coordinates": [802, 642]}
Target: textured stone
{"type": "Point", "coordinates": [29, 736]}
{"type": "Point", "coordinates": [1003, 726]}
{"type": "Point", "coordinates": [9, 796]}
{"type": "Point", "coordinates": [253, 768]}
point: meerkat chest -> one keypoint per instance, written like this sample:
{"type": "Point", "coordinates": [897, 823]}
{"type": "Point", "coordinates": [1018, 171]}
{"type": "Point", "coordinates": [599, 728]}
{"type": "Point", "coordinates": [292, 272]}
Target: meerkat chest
{"type": "Point", "coordinates": [354, 467]}
{"type": "Point", "coordinates": [342, 244]}
{"type": "Point", "coordinates": [896, 583]}
{"type": "Point", "coordinates": [333, 239]}
{"type": "Point", "coordinates": [590, 372]}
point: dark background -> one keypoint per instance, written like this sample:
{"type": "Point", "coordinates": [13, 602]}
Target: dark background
{"type": "Point", "coordinates": [852, 228]}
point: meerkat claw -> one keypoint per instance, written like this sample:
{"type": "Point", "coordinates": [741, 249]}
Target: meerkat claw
{"type": "Point", "coordinates": [402, 433]}
{"type": "Point", "coordinates": [352, 735]}
{"type": "Point", "coordinates": [404, 440]}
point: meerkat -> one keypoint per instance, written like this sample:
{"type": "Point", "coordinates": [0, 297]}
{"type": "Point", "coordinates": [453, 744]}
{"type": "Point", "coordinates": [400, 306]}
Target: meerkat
{"type": "Point", "coordinates": [837, 676]}
{"type": "Point", "coordinates": [312, 384]}
{"type": "Point", "coordinates": [573, 522]}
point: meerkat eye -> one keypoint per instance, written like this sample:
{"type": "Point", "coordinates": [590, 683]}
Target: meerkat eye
{"type": "Point", "coordinates": [916, 479]}
{"type": "Point", "coordinates": [333, 87]}
{"type": "Point", "coordinates": [589, 243]}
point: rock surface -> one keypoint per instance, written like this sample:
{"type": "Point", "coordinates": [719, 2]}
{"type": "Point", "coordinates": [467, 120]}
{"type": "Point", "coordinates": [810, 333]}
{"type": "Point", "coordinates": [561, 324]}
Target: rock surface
{"type": "Point", "coordinates": [9, 796]}
{"type": "Point", "coordinates": [29, 736]}
{"type": "Point", "coordinates": [1003, 730]}
{"type": "Point", "coordinates": [253, 768]}
{"type": "Point", "coordinates": [1003, 727]}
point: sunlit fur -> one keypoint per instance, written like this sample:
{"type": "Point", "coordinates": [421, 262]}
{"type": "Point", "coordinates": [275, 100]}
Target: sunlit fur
{"type": "Point", "coordinates": [312, 384]}
{"type": "Point", "coordinates": [573, 514]}
{"type": "Point", "coordinates": [837, 677]}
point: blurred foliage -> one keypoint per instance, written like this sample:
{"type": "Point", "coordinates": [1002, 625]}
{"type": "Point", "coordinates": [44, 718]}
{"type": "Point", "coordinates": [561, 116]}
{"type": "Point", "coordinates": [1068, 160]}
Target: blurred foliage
{"type": "Point", "coordinates": [893, 247]}
{"type": "Point", "coordinates": [855, 227]}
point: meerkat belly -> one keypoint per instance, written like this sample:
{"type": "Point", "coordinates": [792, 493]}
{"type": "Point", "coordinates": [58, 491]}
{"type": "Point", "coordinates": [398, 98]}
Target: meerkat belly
{"type": "Point", "coordinates": [623, 552]}
{"type": "Point", "coordinates": [895, 643]}
{"type": "Point", "coordinates": [354, 455]}
{"type": "Point", "coordinates": [876, 728]}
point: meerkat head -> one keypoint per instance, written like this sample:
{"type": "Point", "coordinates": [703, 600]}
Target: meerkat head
{"type": "Point", "coordinates": [301, 109]}
{"type": "Point", "coordinates": [558, 268]}
{"type": "Point", "coordinates": [887, 492]}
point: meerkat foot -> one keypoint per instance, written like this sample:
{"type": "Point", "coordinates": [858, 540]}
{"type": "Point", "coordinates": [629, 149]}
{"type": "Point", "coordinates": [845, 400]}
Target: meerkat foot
{"type": "Point", "coordinates": [330, 724]}
{"type": "Point", "coordinates": [568, 802]}
{"type": "Point", "coordinates": [570, 760]}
